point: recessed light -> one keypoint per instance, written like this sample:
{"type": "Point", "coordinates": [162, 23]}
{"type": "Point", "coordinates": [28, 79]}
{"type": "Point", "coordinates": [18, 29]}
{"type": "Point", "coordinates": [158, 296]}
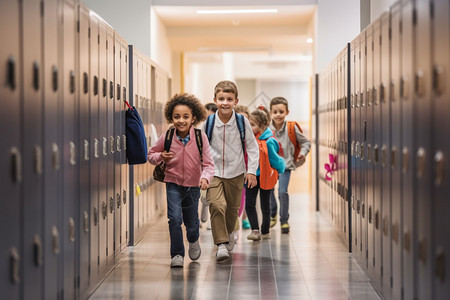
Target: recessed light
{"type": "Point", "coordinates": [236, 11]}
{"type": "Point", "coordinates": [309, 40]}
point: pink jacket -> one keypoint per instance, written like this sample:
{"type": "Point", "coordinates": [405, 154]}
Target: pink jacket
{"type": "Point", "coordinates": [185, 168]}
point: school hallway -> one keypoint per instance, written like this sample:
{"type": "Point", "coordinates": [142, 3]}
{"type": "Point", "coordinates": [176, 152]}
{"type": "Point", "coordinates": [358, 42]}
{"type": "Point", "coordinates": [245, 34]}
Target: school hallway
{"type": "Point", "coordinates": [311, 262]}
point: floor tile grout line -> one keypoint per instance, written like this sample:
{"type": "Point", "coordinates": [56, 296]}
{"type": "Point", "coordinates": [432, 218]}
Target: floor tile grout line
{"type": "Point", "coordinates": [273, 268]}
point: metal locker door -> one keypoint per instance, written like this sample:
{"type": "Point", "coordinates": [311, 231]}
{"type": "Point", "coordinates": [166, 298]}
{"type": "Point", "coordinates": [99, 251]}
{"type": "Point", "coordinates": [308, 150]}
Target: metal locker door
{"type": "Point", "coordinates": [70, 155]}
{"type": "Point", "coordinates": [103, 149]}
{"type": "Point", "coordinates": [441, 148]}
{"type": "Point", "coordinates": [354, 241]}
{"type": "Point", "coordinates": [10, 151]}
{"type": "Point", "coordinates": [95, 148]}
{"type": "Point", "coordinates": [344, 150]}
{"type": "Point", "coordinates": [395, 147]}
{"type": "Point", "coordinates": [384, 158]}
{"type": "Point", "coordinates": [407, 163]}
{"type": "Point", "coordinates": [52, 147]}
{"type": "Point", "coordinates": [422, 149]}
{"type": "Point", "coordinates": [83, 142]}
{"type": "Point", "coordinates": [123, 157]}
{"type": "Point", "coordinates": [369, 146]}
{"type": "Point", "coordinates": [357, 146]}
{"type": "Point", "coordinates": [118, 104]}
{"type": "Point", "coordinates": [111, 143]}
{"type": "Point", "coordinates": [32, 149]}
{"type": "Point", "coordinates": [376, 150]}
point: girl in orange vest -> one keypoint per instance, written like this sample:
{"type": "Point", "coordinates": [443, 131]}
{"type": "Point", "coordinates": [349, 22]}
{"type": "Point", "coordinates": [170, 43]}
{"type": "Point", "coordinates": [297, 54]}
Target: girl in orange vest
{"type": "Point", "coordinates": [270, 165]}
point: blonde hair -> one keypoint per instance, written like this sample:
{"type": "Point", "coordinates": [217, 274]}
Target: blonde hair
{"type": "Point", "coordinates": [240, 109]}
{"type": "Point", "coordinates": [226, 86]}
{"type": "Point", "coordinates": [261, 116]}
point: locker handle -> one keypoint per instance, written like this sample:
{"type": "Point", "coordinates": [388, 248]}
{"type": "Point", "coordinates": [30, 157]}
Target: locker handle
{"type": "Point", "coordinates": [369, 95]}
{"type": "Point", "coordinates": [86, 150]}
{"type": "Point", "coordinates": [111, 205]}
{"type": "Point", "coordinates": [37, 251]}
{"type": "Point", "coordinates": [356, 100]}
{"type": "Point", "coordinates": [124, 142]}
{"type": "Point", "coordinates": [14, 265]}
{"type": "Point", "coordinates": [55, 240]}
{"type": "Point", "coordinates": [370, 214]}
{"type": "Point", "coordinates": [352, 100]}
{"type": "Point", "coordinates": [405, 159]}
{"type": "Point", "coordinates": [124, 197]}
{"type": "Point", "coordinates": [118, 144]}
{"type": "Point", "coordinates": [85, 83]}
{"type": "Point", "coordinates": [383, 155]}
{"type": "Point", "coordinates": [352, 151]}
{"type": "Point", "coordinates": [438, 80]}
{"type": "Point", "coordinates": [95, 216]}
{"type": "Point", "coordinates": [136, 100]}
{"type": "Point", "coordinates": [124, 93]}
{"type": "Point", "coordinates": [104, 210]}
{"type": "Point", "coordinates": [440, 264]}
{"type": "Point", "coordinates": [395, 232]}
{"type": "Point", "coordinates": [55, 78]}
{"type": "Point", "coordinates": [105, 141]}
{"type": "Point", "coordinates": [111, 144]}
{"type": "Point", "coordinates": [85, 221]}
{"type": "Point", "coordinates": [419, 85]}
{"type": "Point", "coordinates": [11, 73]}
{"type": "Point", "coordinates": [404, 87]}
{"type": "Point", "coordinates": [36, 76]}
{"type": "Point", "coordinates": [95, 85]}
{"type": "Point", "coordinates": [105, 86]}
{"type": "Point", "coordinates": [95, 148]}
{"type": "Point", "coordinates": [118, 200]}
{"type": "Point", "coordinates": [393, 157]}
{"type": "Point", "coordinates": [72, 81]}
{"type": "Point", "coordinates": [361, 98]}
{"type": "Point", "coordinates": [118, 91]}
{"type": "Point", "coordinates": [55, 156]}
{"type": "Point", "coordinates": [420, 162]}
{"type": "Point", "coordinates": [363, 209]}
{"type": "Point", "coordinates": [377, 220]}
{"type": "Point", "coordinates": [362, 154]}
{"type": "Point", "coordinates": [72, 152]}
{"type": "Point", "coordinates": [38, 160]}
{"type": "Point", "coordinates": [71, 230]}
{"type": "Point", "coordinates": [111, 90]}
{"type": "Point", "coordinates": [439, 168]}
{"type": "Point", "coordinates": [16, 165]}
{"type": "Point", "coordinates": [375, 154]}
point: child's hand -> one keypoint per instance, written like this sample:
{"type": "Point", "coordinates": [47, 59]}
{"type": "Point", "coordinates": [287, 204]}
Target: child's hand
{"type": "Point", "coordinates": [203, 184]}
{"type": "Point", "coordinates": [167, 156]}
{"type": "Point", "coordinates": [300, 157]}
{"type": "Point", "coordinates": [251, 181]}
{"type": "Point", "coordinates": [300, 160]}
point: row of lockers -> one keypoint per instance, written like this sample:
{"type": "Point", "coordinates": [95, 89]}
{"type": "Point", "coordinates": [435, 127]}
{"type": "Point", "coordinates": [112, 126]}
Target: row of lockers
{"type": "Point", "coordinates": [384, 106]}
{"type": "Point", "coordinates": [71, 203]}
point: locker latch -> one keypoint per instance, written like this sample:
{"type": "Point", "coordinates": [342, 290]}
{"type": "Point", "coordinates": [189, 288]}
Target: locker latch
{"type": "Point", "coordinates": [72, 153]}
{"type": "Point", "coordinates": [405, 159]}
{"type": "Point", "coordinates": [55, 156]}
{"type": "Point", "coordinates": [438, 80]}
{"type": "Point", "coordinates": [118, 200]}
{"type": "Point", "coordinates": [118, 144]}
{"type": "Point", "coordinates": [104, 210]}
{"type": "Point", "coordinates": [95, 216]}
{"type": "Point", "coordinates": [377, 220]}
{"type": "Point", "coordinates": [407, 240]}
{"type": "Point", "coordinates": [86, 150]}
{"type": "Point", "coordinates": [95, 85]}
{"type": "Point", "coordinates": [111, 144]}
{"type": "Point", "coordinates": [85, 221]}
{"type": "Point", "coordinates": [95, 148]}
{"type": "Point", "coordinates": [383, 155]}
{"type": "Point", "coordinates": [370, 214]}
{"type": "Point", "coordinates": [36, 76]}
{"type": "Point", "coordinates": [385, 225]}
{"type": "Point", "coordinates": [105, 145]}
{"type": "Point", "coordinates": [55, 240]}
{"type": "Point", "coordinates": [375, 154]}
{"type": "Point", "coordinates": [404, 87]}
{"type": "Point", "coordinates": [105, 87]}
{"type": "Point", "coordinates": [85, 83]}
{"type": "Point", "coordinates": [55, 78]}
{"type": "Point", "coordinates": [393, 157]}
{"type": "Point", "coordinates": [71, 230]}
{"type": "Point", "coordinates": [395, 232]}
{"type": "Point", "coordinates": [111, 205]}
{"type": "Point", "coordinates": [16, 165]}
{"type": "Point", "coordinates": [419, 84]}
{"type": "Point", "coordinates": [72, 81]}
{"type": "Point", "coordinates": [37, 250]}
{"type": "Point", "coordinates": [420, 163]}
{"type": "Point", "coordinates": [37, 160]}
{"type": "Point", "coordinates": [124, 142]}
{"type": "Point", "coordinates": [14, 265]}
{"type": "Point", "coordinates": [124, 197]}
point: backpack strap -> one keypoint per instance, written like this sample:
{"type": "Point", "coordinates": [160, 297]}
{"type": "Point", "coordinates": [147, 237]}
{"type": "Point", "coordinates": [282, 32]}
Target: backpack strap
{"type": "Point", "coordinates": [199, 140]}
{"type": "Point", "coordinates": [291, 133]}
{"type": "Point", "coordinates": [241, 127]}
{"type": "Point", "coordinates": [209, 126]}
{"type": "Point", "coordinates": [168, 139]}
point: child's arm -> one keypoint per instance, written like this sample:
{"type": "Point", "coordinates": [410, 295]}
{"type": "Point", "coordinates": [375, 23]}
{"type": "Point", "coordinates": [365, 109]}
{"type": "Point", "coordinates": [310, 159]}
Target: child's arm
{"type": "Point", "coordinates": [305, 144]}
{"type": "Point", "coordinates": [276, 161]}
{"type": "Point", "coordinates": [154, 155]}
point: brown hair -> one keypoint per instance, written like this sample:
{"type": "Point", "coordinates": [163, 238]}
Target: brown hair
{"type": "Point", "coordinates": [242, 109]}
{"type": "Point", "coordinates": [226, 86]}
{"type": "Point", "coordinates": [261, 116]}
{"type": "Point", "coordinates": [279, 100]}
{"type": "Point", "coordinates": [198, 110]}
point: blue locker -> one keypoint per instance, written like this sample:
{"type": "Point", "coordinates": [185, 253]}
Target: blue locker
{"type": "Point", "coordinates": [32, 105]}
{"type": "Point", "coordinates": [441, 149]}
{"type": "Point", "coordinates": [396, 146]}
{"type": "Point", "coordinates": [95, 148]}
{"type": "Point", "coordinates": [52, 148]}
{"type": "Point", "coordinates": [422, 149]}
{"type": "Point", "coordinates": [10, 151]}
{"type": "Point", "coordinates": [384, 159]}
{"type": "Point", "coordinates": [70, 154]}
{"type": "Point", "coordinates": [407, 163]}
{"type": "Point", "coordinates": [83, 263]}
{"type": "Point", "coordinates": [118, 106]}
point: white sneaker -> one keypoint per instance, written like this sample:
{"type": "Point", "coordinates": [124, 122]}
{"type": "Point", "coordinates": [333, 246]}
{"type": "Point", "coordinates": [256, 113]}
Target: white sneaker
{"type": "Point", "coordinates": [194, 250]}
{"type": "Point", "coordinates": [231, 242]}
{"type": "Point", "coordinates": [254, 236]}
{"type": "Point", "coordinates": [222, 253]}
{"type": "Point", "coordinates": [177, 261]}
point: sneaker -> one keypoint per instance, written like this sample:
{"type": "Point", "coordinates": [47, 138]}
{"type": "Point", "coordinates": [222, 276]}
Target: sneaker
{"type": "Point", "coordinates": [194, 250]}
{"type": "Point", "coordinates": [285, 228]}
{"type": "Point", "coordinates": [265, 236]}
{"type": "Point", "coordinates": [254, 236]}
{"type": "Point", "coordinates": [177, 261]}
{"type": "Point", "coordinates": [222, 252]}
{"type": "Point", "coordinates": [231, 242]}
{"type": "Point", "coordinates": [273, 221]}
{"type": "Point", "coordinates": [245, 224]}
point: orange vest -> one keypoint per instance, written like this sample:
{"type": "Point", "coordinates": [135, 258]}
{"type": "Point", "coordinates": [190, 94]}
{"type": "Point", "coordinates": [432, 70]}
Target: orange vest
{"type": "Point", "coordinates": [268, 176]}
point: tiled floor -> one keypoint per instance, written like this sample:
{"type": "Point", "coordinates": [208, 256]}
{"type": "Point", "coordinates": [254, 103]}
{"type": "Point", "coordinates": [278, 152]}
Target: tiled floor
{"type": "Point", "coordinates": [308, 263]}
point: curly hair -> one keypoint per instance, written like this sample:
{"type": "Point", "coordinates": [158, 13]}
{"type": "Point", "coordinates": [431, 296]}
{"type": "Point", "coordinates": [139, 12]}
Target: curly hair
{"type": "Point", "coordinates": [261, 116]}
{"type": "Point", "coordinates": [198, 110]}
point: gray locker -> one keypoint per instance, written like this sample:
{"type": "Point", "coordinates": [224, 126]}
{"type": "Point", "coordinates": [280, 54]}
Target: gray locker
{"type": "Point", "coordinates": [369, 151]}
{"type": "Point", "coordinates": [10, 151]}
{"type": "Point", "coordinates": [83, 264]}
{"type": "Point", "coordinates": [52, 147]}
{"type": "Point", "coordinates": [103, 145]}
{"type": "Point", "coordinates": [118, 104]}
{"type": "Point", "coordinates": [95, 148]}
{"type": "Point", "coordinates": [70, 155]}
{"type": "Point", "coordinates": [396, 146]}
{"type": "Point", "coordinates": [111, 143]}
{"type": "Point", "coordinates": [344, 144]}
{"type": "Point", "coordinates": [441, 149]}
{"type": "Point", "coordinates": [32, 260]}
{"type": "Point", "coordinates": [407, 163]}
{"type": "Point", "coordinates": [422, 149]}
{"type": "Point", "coordinates": [384, 157]}
{"type": "Point", "coordinates": [356, 123]}
{"type": "Point", "coordinates": [354, 229]}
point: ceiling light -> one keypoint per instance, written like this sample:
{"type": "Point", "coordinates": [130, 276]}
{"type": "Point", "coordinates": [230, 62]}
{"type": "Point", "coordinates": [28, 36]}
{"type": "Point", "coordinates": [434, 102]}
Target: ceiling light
{"type": "Point", "coordinates": [309, 40]}
{"type": "Point", "coordinates": [236, 11]}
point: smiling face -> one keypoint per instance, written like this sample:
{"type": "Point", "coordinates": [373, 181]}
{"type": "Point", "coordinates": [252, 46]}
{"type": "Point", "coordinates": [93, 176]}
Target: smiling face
{"type": "Point", "coordinates": [225, 103]}
{"type": "Point", "coordinates": [278, 113]}
{"type": "Point", "coordinates": [182, 119]}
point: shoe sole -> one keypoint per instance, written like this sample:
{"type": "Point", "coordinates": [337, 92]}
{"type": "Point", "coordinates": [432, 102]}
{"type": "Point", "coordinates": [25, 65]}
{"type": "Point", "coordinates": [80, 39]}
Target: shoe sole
{"type": "Point", "coordinates": [284, 230]}
{"type": "Point", "coordinates": [195, 258]}
{"type": "Point", "coordinates": [222, 258]}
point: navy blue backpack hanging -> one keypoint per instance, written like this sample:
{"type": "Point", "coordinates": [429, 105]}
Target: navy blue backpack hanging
{"type": "Point", "coordinates": [136, 139]}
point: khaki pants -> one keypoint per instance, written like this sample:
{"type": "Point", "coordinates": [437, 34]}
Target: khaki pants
{"type": "Point", "coordinates": [224, 197]}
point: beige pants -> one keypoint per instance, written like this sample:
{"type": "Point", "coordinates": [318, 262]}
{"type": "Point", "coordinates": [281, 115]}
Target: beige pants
{"type": "Point", "coordinates": [224, 197]}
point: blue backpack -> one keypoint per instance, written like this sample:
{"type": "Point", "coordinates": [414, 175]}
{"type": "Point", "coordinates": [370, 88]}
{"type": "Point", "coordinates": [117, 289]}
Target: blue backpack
{"type": "Point", "coordinates": [239, 122]}
{"type": "Point", "coordinates": [136, 139]}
